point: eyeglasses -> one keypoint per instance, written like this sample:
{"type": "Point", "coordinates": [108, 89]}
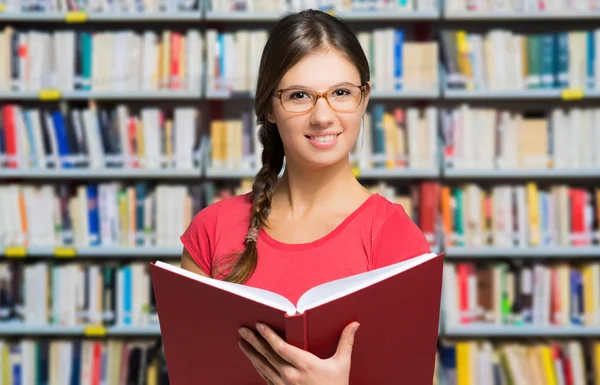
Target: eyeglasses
{"type": "Point", "coordinates": [340, 99]}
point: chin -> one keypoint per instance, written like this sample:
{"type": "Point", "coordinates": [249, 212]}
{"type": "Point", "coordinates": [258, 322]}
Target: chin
{"type": "Point", "coordinates": [325, 160]}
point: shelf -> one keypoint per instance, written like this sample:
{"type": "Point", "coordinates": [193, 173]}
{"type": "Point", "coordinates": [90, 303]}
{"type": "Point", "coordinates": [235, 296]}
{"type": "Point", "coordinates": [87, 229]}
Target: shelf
{"type": "Point", "coordinates": [78, 17]}
{"type": "Point", "coordinates": [99, 173]}
{"type": "Point", "coordinates": [18, 329]}
{"type": "Point", "coordinates": [482, 330]}
{"type": "Point", "coordinates": [522, 252]}
{"type": "Point", "coordinates": [101, 95]}
{"type": "Point", "coordinates": [450, 173]}
{"type": "Point", "coordinates": [517, 94]}
{"type": "Point", "coordinates": [224, 173]}
{"type": "Point", "coordinates": [149, 252]}
{"type": "Point", "coordinates": [344, 15]}
{"type": "Point", "coordinates": [526, 15]}
{"type": "Point", "coordinates": [397, 173]}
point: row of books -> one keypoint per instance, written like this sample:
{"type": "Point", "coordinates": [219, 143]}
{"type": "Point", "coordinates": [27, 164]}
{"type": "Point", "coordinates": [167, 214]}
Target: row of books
{"type": "Point", "coordinates": [76, 293]}
{"type": "Point", "coordinates": [99, 60]}
{"type": "Point", "coordinates": [127, 214]}
{"type": "Point", "coordinates": [139, 214]}
{"type": "Point", "coordinates": [501, 59]}
{"type": "Point", "coordinates": [521, 293]}
{"type": "Point", "coordinates": [104, 215]}
{"type": "Point", "coordinates": [60, 137]}
{"type": "Point", "coordinates": [488, 138]}
{"type": "Point", "coordinates": [233, 58]}
{"type": "Point", "coordinates": [154, 138]}
{"type": "Point", "coordinates": [279, 6]}
{"type": "Point", "coordinates": [390, 138]}
{"type": "Point", "coordinates": [101, 6]}
{"type": "Point", "coordinates": [520, 215]}
{"type": "Point", "coordinates": [547, 362]}
{"type": "Point", "coordinates": [60, 362]}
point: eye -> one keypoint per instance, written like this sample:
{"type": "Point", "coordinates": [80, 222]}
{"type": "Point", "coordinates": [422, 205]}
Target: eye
{"type": "Point", "coordinates": [340, 92]}
{"type": "Point", "coordinates": [299, 95]}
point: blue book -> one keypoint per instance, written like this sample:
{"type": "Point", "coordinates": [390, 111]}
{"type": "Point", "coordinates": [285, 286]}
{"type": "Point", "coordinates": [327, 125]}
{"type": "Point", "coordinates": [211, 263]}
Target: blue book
{"type": "Point", "coordinates": [591, 58]}
{"type": "Point", "coordinates": [378, 135]}
{"type": "Point", "coordinates": [62, 141]}
{"type": "Point", "coordinates": [562, 60]}
{"type": "Point", "coordinates": [127, 295]}
{"type": "Point", "coordinates": [398, 58]}
{"type": "Point", "coordinates": [93, 215]}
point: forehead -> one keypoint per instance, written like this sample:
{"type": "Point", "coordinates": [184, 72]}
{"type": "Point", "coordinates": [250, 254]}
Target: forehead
{"type": "Point", "coordinates": [321, 70]}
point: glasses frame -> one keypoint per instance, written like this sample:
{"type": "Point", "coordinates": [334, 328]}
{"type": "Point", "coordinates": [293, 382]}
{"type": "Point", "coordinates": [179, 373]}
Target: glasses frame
{"type": "Point", "coordinates": [363, 90]}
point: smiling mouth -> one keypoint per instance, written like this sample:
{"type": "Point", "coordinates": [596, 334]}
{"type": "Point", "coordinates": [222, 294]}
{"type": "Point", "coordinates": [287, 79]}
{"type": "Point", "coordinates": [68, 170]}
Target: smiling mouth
{"type": "Point", "coordinates": [323, 138]}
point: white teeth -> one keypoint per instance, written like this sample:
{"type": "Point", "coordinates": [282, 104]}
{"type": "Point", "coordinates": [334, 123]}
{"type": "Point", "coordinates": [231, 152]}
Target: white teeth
{"type": "Point", "coordinates": [324, 139]}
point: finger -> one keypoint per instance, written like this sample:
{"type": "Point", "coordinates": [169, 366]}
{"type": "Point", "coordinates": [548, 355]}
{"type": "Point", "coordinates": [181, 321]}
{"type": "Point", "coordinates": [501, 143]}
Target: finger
{"type": "Point", "coordinates": [346, 342]}
{"type": "Point", "coordinates": [293, 355]}
{"type": "Point", "coordinates": [264, 348]}
{"type": "Point", "coordinates": [260, 363]}
{"type": "Point", "coordinates": [267, 381]}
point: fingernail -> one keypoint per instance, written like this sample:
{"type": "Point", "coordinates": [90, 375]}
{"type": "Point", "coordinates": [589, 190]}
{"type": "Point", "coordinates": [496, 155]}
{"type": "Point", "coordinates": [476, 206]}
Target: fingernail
{"type": "Point", "coordinates": [356, 328]}
{"type": "Point", "coordinates": [260, 327]}
{"type": "Point", "coordinates": [242, 332]}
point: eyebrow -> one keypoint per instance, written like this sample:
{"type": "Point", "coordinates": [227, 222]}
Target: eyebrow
{"type": "Point", "coordinates": [333, 86]}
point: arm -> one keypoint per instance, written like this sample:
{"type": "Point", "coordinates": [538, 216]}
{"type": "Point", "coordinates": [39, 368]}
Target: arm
{"type": "Point", "coordinates": [188, 263]}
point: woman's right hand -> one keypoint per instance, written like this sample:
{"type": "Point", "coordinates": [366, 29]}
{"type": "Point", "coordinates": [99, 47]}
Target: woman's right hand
{"type": "Point", "coordinates": [280, 363]}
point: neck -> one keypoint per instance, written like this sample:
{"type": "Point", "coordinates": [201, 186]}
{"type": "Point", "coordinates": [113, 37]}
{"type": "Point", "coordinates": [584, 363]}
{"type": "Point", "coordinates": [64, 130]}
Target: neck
{"type": "Point", "coordinates": [303, 189]}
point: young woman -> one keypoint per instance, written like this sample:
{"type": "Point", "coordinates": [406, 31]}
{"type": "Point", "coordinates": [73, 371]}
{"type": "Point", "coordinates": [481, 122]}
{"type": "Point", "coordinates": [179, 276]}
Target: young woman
{"type": "Point", "coordinates": [316, 223]}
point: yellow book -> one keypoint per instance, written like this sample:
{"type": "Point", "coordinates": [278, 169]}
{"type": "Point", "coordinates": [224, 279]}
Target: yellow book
{"type": "Point", "coordinates": [596, 364]}
{"type": "Point", "coordinates": [588, 294]}
{"type": "Point", "coordinates": [549, 373]}
{"type": "Point", "coordinates": [464, 62]}
{"type": "Point", "coordinates": [463, 373]}
{"type": "Point", "coordinates": [123, 212]}
{"type": "Point", "coordinates": [390, 133]}
{"type": "Point", "coordinates": [152, 373]}
{"type": "Point", "coordinates": [533, 208]}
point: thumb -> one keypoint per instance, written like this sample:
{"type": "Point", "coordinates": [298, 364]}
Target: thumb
{"type": "Point", "coordinates": [344, 348]}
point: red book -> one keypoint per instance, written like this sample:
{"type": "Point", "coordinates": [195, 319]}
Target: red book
{"type": "Point", "coordinates": [397, 306]}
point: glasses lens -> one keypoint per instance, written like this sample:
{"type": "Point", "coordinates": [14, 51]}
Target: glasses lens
{"type": "Point", "coordinates": [297, 100]}
{"type": "Point", "coordinates": [344, 98]}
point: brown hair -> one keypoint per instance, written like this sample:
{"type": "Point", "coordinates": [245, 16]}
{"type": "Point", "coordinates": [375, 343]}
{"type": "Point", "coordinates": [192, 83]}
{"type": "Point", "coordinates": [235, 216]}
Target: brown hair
{"type": "Point", "coordinates": [295, 36]}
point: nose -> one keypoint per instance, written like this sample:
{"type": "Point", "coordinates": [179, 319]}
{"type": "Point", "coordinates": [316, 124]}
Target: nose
{"type": "Point", "coordinates": [322, 115]}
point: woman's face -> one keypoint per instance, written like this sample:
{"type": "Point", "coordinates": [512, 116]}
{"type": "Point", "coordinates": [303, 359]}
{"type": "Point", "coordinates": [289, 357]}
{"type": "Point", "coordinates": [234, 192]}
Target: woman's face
{"type": "Point", "coordinates": [320, 136]}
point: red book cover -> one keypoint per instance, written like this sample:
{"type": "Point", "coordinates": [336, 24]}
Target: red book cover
{"type": "Point", "coordinates": [397, 306]}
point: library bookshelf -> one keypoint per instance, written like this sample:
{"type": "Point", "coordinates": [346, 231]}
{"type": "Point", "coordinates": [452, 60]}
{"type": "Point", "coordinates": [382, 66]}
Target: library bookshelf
{"type": "Point", "coordinates": [511, 144]}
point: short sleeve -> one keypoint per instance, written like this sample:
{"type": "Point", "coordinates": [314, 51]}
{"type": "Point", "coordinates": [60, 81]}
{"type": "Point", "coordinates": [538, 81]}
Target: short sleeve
{"type": "Point", "coordinates": [398, 239]}
{"type": "Point", "coordinates": [199, 238]}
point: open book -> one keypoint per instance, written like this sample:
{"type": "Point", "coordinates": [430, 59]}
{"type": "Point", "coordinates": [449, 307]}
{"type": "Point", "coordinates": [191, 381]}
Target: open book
{"type": "Point", "coordinates": [397, 306]}
{"type": "Point", "coordinates": [314, 297]}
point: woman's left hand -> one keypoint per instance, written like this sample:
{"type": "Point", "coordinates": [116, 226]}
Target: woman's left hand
{"type": "Point", "coordinates": [280, 363]}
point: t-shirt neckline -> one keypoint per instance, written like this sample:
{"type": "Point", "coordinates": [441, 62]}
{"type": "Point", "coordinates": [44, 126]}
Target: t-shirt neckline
{"type": "Point", "coordinates": [263, 235]}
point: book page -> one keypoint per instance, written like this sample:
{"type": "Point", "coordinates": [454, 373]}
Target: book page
{"type": "Point", "coordinates": [259, 295]}
{"type": "Point", "coordinates": [333, 290]}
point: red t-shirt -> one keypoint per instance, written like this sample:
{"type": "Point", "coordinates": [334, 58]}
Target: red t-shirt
{"type": "Point", "coordinates": [376, 234]}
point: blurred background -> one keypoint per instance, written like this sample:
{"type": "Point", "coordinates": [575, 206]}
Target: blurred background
{"type": "Point", "coordinates": [121, 119]}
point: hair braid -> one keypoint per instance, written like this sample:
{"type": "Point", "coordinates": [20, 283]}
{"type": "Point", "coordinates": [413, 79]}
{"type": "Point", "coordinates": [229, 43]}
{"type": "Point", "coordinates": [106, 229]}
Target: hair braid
{"type": "Point", "coordinates": [262, 192]}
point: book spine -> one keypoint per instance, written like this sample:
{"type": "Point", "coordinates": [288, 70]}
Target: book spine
{"type": "Point", "coordinates": [296, 331]}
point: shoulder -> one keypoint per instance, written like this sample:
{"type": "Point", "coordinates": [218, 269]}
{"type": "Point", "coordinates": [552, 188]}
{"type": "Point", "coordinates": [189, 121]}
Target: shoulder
{"type": "Point", "coordinates": [395, 236]}
{"type": "Point", "coordinates": [211, 224]}
{"type": "Point", "coordinates": [223, 211]}
{"type": "Point", "coordinates": [386, 213]}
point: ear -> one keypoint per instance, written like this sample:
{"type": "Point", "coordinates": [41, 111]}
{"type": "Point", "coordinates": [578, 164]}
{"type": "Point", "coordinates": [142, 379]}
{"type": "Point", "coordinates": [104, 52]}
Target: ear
{"type": "Point", "coordinates": [270, 117]}
{"type": "Point", "coordinates": [367, 96]}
